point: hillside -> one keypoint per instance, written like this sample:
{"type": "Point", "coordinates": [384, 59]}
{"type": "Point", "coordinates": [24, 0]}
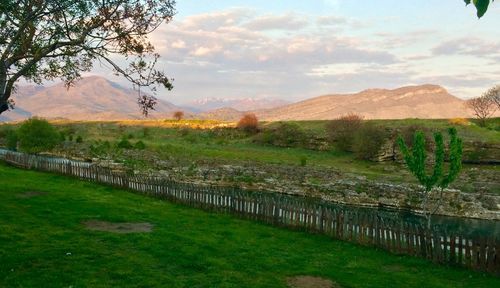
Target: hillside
{"type": "Point", "coordinates": [92, 98]}
{"type": "Point", "coordinates": [425, 101]}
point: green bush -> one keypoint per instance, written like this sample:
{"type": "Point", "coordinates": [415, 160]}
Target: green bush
{"type": "Point", "coordinates": [284, 135]}
{"type": "Point", "coordinates": [100, 148]}
{"type": "Point", "coordinates": [79, 139]}
{"type": "Point", "coordinates": [37, 135]}
{"type": "Point", "coordinates": [140, 145]}
{"type": "Point", "coordinates": [303, 161]}
{"type": "Point", "coordinates": [11, 139]}
{"type": "Point", "coordinates": [341, 131]}
{"type": "Point", "coordinates": [124, 144]}
{"type": "Point", "coordinates": [368, 140]}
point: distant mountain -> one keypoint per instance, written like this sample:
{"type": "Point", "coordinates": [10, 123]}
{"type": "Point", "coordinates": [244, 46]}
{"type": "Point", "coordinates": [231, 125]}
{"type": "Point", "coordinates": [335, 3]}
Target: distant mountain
{"type": "Point", "coordinates": [424, 101]}
{"type": "Point", "coordinates": [243, 104]}
{"type": "Point", "coordinates": [92, 98]}
{"type": "Point", "coordinates": [222, 114]}
{"type": "Point", "coordinates": [95, 98]}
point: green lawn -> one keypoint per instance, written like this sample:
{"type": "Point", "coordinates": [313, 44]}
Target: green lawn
{"type": "Point", "coordinates": [44, 244]}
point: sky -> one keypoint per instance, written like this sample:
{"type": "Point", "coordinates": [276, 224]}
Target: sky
{"type": "Point", "coordinates": [294, 50]}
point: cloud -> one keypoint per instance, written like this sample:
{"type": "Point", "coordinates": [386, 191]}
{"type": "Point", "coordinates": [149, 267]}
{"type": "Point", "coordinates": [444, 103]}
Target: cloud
{"type": "Point", "coordinates": [468, 46]}
{"type": "Point", "coordinates": [179, 44]}
{"type": "Point", "coordinates": [331, 20]}
{"type": "Point", "coordinates": [241, 53]}
{"type": "Point", "coordinates": [278, 22]}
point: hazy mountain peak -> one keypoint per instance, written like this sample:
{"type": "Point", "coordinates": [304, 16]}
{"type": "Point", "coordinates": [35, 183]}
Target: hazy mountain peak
{"type": "Point", "coordinates": [91, 98]}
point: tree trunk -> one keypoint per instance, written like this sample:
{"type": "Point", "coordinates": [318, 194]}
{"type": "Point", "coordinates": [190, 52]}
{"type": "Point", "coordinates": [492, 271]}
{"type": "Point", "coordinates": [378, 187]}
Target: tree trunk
{"type": "Point", "coordinates": [4, 88]}
{"type": "Point", "coordinates": [4, 107]}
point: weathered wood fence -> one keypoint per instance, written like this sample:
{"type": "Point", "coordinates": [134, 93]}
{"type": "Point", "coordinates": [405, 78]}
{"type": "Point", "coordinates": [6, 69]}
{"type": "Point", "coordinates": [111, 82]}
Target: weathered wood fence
{"type": "Point", "coordinates": [367, 228]}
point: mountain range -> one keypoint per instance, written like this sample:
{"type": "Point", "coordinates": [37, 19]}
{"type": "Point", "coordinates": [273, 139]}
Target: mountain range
{"type": "Point", "coordinates": [240, 104]}
{"type": "Point", "coordinates": [96, 98]}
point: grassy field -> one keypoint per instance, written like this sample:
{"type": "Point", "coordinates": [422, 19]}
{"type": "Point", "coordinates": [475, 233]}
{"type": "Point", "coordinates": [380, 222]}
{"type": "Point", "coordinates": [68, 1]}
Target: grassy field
{"type": "Point", "coordinates": [189, 144]}
{"type": "Point", "coordinates": [43, 243]}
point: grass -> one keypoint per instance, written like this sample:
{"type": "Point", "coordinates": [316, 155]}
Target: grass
{"type": "Point", "coordinates": [44, 244]}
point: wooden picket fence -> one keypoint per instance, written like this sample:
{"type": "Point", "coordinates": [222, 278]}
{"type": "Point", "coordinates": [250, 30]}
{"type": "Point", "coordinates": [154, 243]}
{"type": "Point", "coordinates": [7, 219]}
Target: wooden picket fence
{"type": "Point", "coordinates": [366, 227]}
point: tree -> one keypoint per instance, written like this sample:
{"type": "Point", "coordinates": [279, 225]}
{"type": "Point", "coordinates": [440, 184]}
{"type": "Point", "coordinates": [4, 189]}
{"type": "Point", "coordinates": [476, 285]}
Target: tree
{"type": "Point", "coordinates": [415, 159]}
{"type": "Point", "coordinates": [248, 123]}
{"type": "Point", "coordinates": [481, 6]}
{"type": "Point", "coordinates": [37, 135]}
{"type": "Point", "coordinates": [493, 95]}
{"type": "Point", "coordinates": [49, 39]}
{"type": "Point", "coordinates": [341, 130]}
{"type": "Point", "coordinates": [178, 115]}
{"type": "Point", "coordinates": [368, 141]}
{"type": "Point", "coordinates": [482, 107]}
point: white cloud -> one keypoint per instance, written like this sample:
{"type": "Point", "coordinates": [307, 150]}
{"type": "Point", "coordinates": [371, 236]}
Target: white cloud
{"type": "Point", "coordinates": [179, 44]}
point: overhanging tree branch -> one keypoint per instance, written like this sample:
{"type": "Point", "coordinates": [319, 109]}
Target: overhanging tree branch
{"type": "Point", "coordinates": [61, 39]}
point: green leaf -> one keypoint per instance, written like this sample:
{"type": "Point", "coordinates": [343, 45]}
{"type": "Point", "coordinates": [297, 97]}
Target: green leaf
{"type": "Point", "coordinates": [467, 2]}
{"type": "Point", "coordinates": [481, 6]}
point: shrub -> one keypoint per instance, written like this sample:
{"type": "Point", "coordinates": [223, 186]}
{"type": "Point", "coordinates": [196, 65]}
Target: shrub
{"type": "Point", "coordinates": [178, 115]}
{"type": "Point", "coordinates": [124, 144]}
{"type": "Point", "coordinates": [407, 133]}
{"type": "Point", "coordinates": [248, 123]}
{"type": "Point", "coordinates": [459, 121]}
{"type": "Point", "coordinates": [11, 139]}
{"type": "Point", "coordinates": [284, 135]}
{"type": "Point", "coordinates": [100, 148]}
{"type": "Point", "coordinates": [37, 135]}
{"type": "Point", "coordinates": [79, 139]}
{"type": "Point", "coordinates": [341, 131]}
{"type": "Point", "coordinates": [140, 145]}
{"type": "Point", "coordinates": [368, 140]}
{"type": "Point", "coordinates": [303, 161]}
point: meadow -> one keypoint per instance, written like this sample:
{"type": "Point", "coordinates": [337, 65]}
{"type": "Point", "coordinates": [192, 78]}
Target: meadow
{"type": "Point", "coordinates": [44, 240]}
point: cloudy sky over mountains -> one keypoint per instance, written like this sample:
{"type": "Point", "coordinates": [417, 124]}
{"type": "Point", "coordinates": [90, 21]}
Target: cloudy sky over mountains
{"type": "Point", "coordinates": [300, 49]}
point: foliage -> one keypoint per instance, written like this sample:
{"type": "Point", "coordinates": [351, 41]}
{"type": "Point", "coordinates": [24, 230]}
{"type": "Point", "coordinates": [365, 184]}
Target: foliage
{"type": "Point", "coordinates": [408, 133]}
{"type": "Point", "coordinates": [139, 145]}
{"type": "Point", "coordinates": [303, 161]}
{"type": "Point", "coordinates": [248, 123]}
{"type": "Point", "coordinates": [368, 141]}
{"type": "Point", "coordinates": [11, 139]}
{"type": "Point", "coordinates": [37, 135]}
{"type": "Point", "coordinates": [340, 131]}
{"type": "Point", "coordinates": [481, 6]}
{"type": "Point", "coordinates": [178, 115]}
{"type": "Point", "coordinates": [79, 139]}
{"type": "Point", "coordinates": [45, 40]}
{"type": "Point", "coordinates": [286, 134]}
{"type": "Point", "coordinates": [459, 121]}
{"type": "Point", "coordinates": [124, 144]}
{"type": "Point", "coordinates": [415, 159]}
{"type": "Point", "coordinates": [100, 148]}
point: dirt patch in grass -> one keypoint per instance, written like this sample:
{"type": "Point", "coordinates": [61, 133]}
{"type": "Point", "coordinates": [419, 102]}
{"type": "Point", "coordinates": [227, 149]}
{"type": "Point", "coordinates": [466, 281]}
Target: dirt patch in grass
{"type": "Point", "coordinates": [310, 282]}
{"type": "Point", "coordinates": [122, 228]}
{"type": "Point", "coordinates": [31, 194]}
